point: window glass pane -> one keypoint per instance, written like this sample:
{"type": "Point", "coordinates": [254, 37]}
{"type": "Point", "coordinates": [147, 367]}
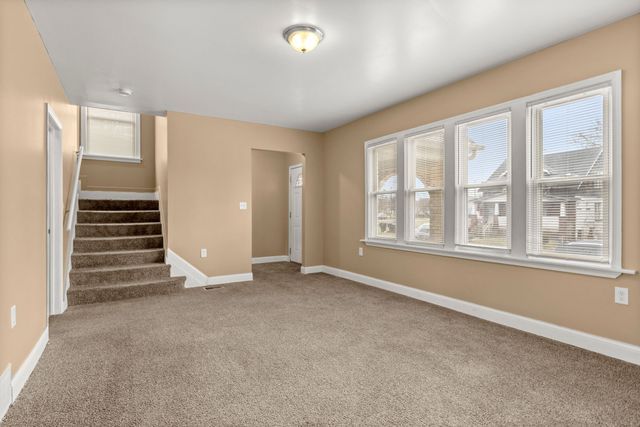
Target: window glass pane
{"type": "Point", "coordinates": [568, 201]}
{"type": "Point", "coordinates": [426, 153]}
{"type": "Point", "coordinates": [111, 133]}
{"type": "Point", "coordinates": [427, 216]}
{"type": "Point", "coordinates": [484, 145]}
{"type": "Point", "coordinates": [573, 138]}
{"type": "Point", "coordinates": [572, 219]}
{"type": "Point", "coordinates": [384, 160]}
{"type": "Point", "coordinates": [487, 216]}
{"type": "Point", "coordinates": [385, 211]}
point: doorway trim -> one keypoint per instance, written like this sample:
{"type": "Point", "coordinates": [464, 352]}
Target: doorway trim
{"type": "Point", "coordinates": [56, 298]}
{"type": "Point", "coordinates": [290, 218]}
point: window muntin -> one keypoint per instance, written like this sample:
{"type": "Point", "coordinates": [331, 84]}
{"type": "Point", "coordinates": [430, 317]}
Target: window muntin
{"type": "Point", "coordinates": [384, 183]}
{"type": "Point", "coordinates": [425, 187]}
{"type": "Point", "coordinates": [568, 213]}
{"type": "Point", "coordinates": [484, 176]}
{"type": "Point", "coordinates": [111, 134]}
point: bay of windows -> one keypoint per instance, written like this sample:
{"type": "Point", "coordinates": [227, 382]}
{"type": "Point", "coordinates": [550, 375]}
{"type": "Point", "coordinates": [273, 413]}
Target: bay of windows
{"type": "Point", "coordinates": [534, 182]}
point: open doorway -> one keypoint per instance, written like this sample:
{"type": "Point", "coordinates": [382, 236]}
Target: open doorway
{"type": "Point", "coordinates": [55, 292]}
{"type": "Point", "coordinates": [276, 204]}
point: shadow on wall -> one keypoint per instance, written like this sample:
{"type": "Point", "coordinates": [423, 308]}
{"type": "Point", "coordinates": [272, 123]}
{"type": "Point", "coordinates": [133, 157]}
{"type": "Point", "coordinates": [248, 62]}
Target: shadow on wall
{"type": "Point", "coordinates": [272, 196]}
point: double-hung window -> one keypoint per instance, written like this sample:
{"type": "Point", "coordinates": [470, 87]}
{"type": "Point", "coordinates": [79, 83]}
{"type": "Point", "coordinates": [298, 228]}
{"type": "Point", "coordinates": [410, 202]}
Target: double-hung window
{"type": "Point", "coordinates": [532, 182]}
{"type": "Point", "coordinates": [569, 144]}
{"type": "Point", "coordinates": [425, 187]}
{"type": "Point", "coordinates": [383, 186]}
{"type": "Point", "coordinates": [110, 135]}
{"type": "Point", "coordinates": [484, 176]}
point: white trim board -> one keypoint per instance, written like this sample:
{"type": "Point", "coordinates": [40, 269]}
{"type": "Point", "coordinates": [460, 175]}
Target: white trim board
{"type": "Point", "coordinates": [268, 259]}
{"type": "Point", "coordinates": [118, 195]}
{"type": "Point", "coordinates": [612, 348]}
{"type": "Point", "coordinates": [5, 391]}
{"type": "Point", "coordinates": [312, 269]}
{"type": "Point", "coordinates": [195, 277]}
{"type": "Point", "coordinates": [27, 367]}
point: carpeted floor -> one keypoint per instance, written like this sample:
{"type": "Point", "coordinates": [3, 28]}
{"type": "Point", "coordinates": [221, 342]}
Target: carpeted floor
{"type": "Point", "coordinates": [288, 349]}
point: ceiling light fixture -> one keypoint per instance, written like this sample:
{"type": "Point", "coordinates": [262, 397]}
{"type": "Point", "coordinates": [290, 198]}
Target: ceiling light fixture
{"type": "Point", "coordinates": [303, 37]}
{"type": "Point", "coordinates": [125, 91]}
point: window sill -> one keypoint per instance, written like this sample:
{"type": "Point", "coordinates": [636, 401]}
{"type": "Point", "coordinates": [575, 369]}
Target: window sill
{"type": "Point", "coordinates": [112, 158]}
{"type": "Point", "coordinates": [576, 267]}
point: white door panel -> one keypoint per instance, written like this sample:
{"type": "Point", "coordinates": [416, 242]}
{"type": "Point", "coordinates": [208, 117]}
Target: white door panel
{"type": "Point", "coordinates": [295, 213]}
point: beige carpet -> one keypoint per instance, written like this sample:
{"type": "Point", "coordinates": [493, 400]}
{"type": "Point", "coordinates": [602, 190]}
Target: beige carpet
{"type": "Point", "coordinates": [288, 349]}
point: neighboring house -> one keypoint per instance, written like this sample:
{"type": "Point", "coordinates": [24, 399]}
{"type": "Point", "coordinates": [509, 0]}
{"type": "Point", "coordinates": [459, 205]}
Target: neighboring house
{"type": "Point", "coordinates": [571, 211]}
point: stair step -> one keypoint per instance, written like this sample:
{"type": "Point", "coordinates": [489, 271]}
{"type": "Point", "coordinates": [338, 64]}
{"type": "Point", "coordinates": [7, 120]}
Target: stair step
{"type": "Point", "coordinates": [120, 291]}
{"type": "Point", "coordinates": [117, 216]}
{"type": "Point", "coordinates": [115, 258]}
{"type": "Point", "coordinates": [104, 244]}
{"type": "Point", "coordinates": [118, 229]}
{"type": "Point", "coordinates": [118, 274]}
{"type": "Point", "coordinates": [118, 205]}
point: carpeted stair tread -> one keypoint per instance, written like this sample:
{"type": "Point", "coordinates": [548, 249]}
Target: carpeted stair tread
{"type": "Point", "coordinates": [118, 274]}
{"type": "Point", "coordinates": [105, 244]}
{"type": "Point", "coordinates": [115, 258]}
{"type": "Point", "coordinates": [118, 291]}
{"type": "Point", "coordinates": [117, 216]}
{"type": "Point", "coordinates": [115, 205]}
{"type": "Point", "coordinates": [118, 229]}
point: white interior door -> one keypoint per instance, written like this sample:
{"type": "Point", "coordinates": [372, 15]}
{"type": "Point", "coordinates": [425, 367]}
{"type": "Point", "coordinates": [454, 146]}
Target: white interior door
{"type": "Point", "coordinates": [55, 292]}
{"type": "Point", "coordinates": [295, 213]}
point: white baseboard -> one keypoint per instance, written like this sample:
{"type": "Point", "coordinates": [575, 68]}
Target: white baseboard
{"type": "Point", "coordinates": [312, 269]}
{"type": "Point", "coordinates": [118, 195]}
{"type": "Point", "coordinates": [27, 367]}
{"type": "Point", "coordinates": [195, 277]}
{"type": "Point", "coordinates": [229, 278]}
{"type": "Point", "coordinates": [5, 391]}
{"type": "Point", "coordinates": [268, 259]}
{"type": "Point", "coordinates": [612, 348]}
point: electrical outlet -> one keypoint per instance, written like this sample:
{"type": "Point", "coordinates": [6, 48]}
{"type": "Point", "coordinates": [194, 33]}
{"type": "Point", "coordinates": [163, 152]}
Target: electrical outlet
{"type": "Point", "coordinates": [622, 296]}
{"type": "Point", "coordinates": [203, 253]}
{"type": "Point", "coordinates": [360, 251]}
{"type": "Point", "coordinates": [13, 316]}
{"type": "Point", "coordinates": [243, 206]}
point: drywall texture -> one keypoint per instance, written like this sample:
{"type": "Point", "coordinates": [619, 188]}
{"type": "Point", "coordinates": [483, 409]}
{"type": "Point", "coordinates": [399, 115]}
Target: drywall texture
{"type": "Point", "coordinates": [575, 301]}
{"type": "Point", "coordinates": [209, 168]}
{"type": "Point", "coordinates": [161, 171]}
{"type": "Point", "coordinates": [103, 175]}
{"type": "Point", "coordinates": [270, 201]}
{"type": "Point", "coordinates": [27, 82]}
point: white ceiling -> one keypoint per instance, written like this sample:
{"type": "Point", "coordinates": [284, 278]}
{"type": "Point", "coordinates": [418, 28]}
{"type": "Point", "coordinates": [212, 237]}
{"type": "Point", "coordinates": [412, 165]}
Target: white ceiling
{"type": "Point", "coordinates": [227, 58]}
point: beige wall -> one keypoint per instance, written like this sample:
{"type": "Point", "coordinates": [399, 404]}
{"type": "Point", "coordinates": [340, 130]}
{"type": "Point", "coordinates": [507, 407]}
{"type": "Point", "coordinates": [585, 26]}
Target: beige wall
{"type": "Point", "coordinates": [579, 302]}
{"type": "Point", "coordinates": [27, 82]}
{"type": "Point", "coordinates": [209, 168]}
{"type": "Point", "coordinates": [270, 201]}
{"type": "Point", "coordinates": [101, 175]}
{"type": "Point", "coordinates": [161, 171]}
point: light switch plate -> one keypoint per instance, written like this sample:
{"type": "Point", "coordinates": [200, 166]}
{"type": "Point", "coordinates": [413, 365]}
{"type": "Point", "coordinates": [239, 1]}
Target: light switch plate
{"type": "Point", "coordinates": [622, 296]}
{"type": "Point", "coordinates": [203, 253]}
{"type": "Point", "coordinates": [243, 206]}
{"type": "Point", "coordinates": [360, 251]}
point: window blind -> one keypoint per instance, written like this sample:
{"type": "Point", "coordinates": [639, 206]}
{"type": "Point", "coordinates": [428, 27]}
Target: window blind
{"type": "Point", "coordinates": [568, 200]}
{"type": "Point", "coordinates": [110, 133]}
{"type": "Point", "coordinates": [484, 175]}
{"type": "Point", "coordinates": [385, 185]}
{"type": "Point", "coordinates": [425, 187]}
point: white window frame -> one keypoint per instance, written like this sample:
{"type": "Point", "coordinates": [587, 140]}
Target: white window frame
{"type": "Point", "coordinates": [462, 185]}
{"type": "Point", "coordinates": [518, 159]}
{"type": "Point", "coordinates": [409, 189]}
{"type": "Point", "coordinates": [532, 179]}
{"type": "Point", "coordinates": [84, 140]}
{"type": "Point", "coordinates": [370, 220]}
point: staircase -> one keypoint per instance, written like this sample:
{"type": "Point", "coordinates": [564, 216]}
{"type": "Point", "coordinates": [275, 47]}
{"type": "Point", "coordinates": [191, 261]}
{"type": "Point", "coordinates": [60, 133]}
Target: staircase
{"type": "Point", "coordinates": [118, 253]}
